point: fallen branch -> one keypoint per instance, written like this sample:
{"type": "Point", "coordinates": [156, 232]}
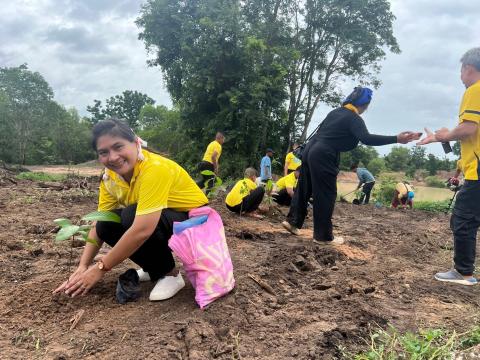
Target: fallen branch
{"type": "Point", "coordinates": [262, 284]}
{"type": "Point", "coordinates": [76, 318]}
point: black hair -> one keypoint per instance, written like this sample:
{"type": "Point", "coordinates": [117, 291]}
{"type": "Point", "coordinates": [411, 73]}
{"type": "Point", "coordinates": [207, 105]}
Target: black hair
{"type": "Point", "coordinates": [112, 127]}
{"type": "Point", "coordinates": [353, 166]}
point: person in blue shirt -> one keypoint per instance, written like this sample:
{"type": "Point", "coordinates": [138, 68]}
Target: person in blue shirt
{"type": "Point", "coordinates": [266, 166]}
{"type": "Point", "coordinates": [366, 179]}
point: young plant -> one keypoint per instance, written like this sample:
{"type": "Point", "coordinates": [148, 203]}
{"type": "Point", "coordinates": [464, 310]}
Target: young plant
{"type": "Point", "coordinates": [215, 181]}
{"type": "Point", "coordinates": [69, 230]}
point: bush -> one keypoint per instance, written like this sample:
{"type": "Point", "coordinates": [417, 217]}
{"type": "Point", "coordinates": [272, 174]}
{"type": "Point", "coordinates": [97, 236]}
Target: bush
{"type": "Point", "coordinates": [434, 181]}
{"type": "Point", "coordinates": [384, 192]}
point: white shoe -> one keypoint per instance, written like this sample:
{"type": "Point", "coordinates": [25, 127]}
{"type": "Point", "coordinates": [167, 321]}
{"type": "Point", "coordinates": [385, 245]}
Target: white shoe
{"type": "Point", "coordinates": [143, 275]}
{"type": "Point", "coordinates": [167, 287]}
{"type": "Point", "coordinates": [337, 240]}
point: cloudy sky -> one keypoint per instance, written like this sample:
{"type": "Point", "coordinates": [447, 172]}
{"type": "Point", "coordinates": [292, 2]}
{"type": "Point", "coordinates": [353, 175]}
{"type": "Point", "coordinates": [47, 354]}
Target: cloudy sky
{"type": "Point", "coordinates": [88, 49]}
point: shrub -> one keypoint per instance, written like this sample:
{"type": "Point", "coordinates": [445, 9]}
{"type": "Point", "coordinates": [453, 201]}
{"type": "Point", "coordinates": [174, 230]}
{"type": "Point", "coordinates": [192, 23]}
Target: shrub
{"type": "Point", "coordinates": [384, 192]}
{"type": "Point", "coordinates": [434, 181]}
{"type": "Point", "coordinates": [433, 206]}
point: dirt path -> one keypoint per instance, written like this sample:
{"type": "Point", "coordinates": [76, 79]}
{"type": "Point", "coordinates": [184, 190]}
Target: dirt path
{"type": "Point", "coordinates": [324, 297]}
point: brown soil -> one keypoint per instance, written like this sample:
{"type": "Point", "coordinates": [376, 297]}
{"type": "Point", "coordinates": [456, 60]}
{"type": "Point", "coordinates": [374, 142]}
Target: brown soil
{"type": "Point", "coordinates": [325, 297]}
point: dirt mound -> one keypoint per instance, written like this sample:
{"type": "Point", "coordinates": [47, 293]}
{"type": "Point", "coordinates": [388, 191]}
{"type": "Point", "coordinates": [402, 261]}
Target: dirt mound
{"type": "Point", "coordinates": [293, 299]}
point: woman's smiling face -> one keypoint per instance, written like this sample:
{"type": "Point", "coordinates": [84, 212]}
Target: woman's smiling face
{"type": "Point", "coordinates": [117, 154]}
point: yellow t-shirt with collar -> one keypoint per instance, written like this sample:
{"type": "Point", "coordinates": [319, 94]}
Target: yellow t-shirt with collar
{"type": "Point", "coordinates": [157, 183]}
{"type": "Point", "coordinates": [211, 148]}
{"type": "Point", "coordinates": [289, 181]}
{"type": "Point", "coordinates": [241, 189]}
{"type": "Point", "coordinates": [292, 161]}
{"type": "Point", "coordinates": [470, 148]}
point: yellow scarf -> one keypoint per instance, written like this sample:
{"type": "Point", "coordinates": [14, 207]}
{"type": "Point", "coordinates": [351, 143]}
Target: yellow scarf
{"type": "Point", "coordinates": [351, 108]}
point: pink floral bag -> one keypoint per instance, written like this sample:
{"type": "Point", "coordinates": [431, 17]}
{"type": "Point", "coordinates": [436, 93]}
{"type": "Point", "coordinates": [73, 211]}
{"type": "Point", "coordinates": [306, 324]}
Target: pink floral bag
{"type": "Point", "coordinates": [204, 253]}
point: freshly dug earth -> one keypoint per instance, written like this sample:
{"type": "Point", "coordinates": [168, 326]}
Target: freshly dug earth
{"type": "Point", "coordinates": [325, 298]}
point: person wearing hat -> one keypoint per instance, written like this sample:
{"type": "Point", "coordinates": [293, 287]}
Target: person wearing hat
{"type": "Point", "coordinates": [403, 195]}
{"type": "Point", "coordinates": [340, 131]}
{"type": "Point", "coordinates": [266, 166]}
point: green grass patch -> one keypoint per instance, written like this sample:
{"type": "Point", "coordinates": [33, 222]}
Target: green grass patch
{"type": "Point", "coordinates": [433, 206]}
{"type": "Point", "coordinates": [40, 176]}
{"type": "Point", "coordinates": [431, 344]}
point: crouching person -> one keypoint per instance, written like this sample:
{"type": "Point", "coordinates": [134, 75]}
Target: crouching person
{"type": "Point", "coordinates": [150, 193]}
{"type": "Point", "coordinates": [285, 188]}
{"type": "Point", "coordinates": [245, 197]}
{"type": "Point", "coordinates": [403, 195]}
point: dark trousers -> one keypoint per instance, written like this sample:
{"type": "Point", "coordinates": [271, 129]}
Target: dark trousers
{"type": "Point", "coordinates": [318, 178]}
{"type": "Point", "coordinates": [154, 256]}
{"type": "Point", "coordinates": [250, 202]}
{"type": "Point", "coordinates": [367, 189]}
{"type": "Point", "coordinates": [282, 198]}
{"type": "Point", "coordinates": [464, 223]}
{"type": "Point", "coordinates": [207, 181]}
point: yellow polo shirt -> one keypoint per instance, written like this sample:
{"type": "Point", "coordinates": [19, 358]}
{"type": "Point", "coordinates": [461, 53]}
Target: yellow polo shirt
{"type": "Point", "coordinates": [157, 183]}
{"type": "Point", "coordinates": [470, 148]}
{"type": "Point", "coordinates": [241, 189]}
{"type": "Point", "coordinates": [292, 161]}
{"type": "Point", "coordinates": [403, 189]}
{"type": "Point", "coordinates": [289, 181]}
{"type": "Point", "coordinates": [211, 148]}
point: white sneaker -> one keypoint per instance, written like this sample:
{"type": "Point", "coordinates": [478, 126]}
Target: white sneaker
{"type": "Point", "coordinates": [337, 240]}
{"type": "Point", "coordinates": [143, 275]}
{"type": "Point", "coordinates": [292, 229]}
{"type": "Point", "coordinates": [167, 287]}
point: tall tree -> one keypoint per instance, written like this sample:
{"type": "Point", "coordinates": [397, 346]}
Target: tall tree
{"type": "Point", "coordinates": [398, 158]}
{"type": "Point", "coordinates": [29, 97]}
{"type": "Point", "coordinates": [124, 106]}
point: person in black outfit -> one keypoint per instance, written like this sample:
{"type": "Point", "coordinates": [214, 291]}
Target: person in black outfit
{"type": "Point", "coordinates": [340, 131]}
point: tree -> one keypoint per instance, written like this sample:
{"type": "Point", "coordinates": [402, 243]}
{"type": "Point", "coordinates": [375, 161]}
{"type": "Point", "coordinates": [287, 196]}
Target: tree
{"type": "Point", "coordinates": [376, 166]}
{"type": "Point", "coordinates": [417, 160]}
{"type": "Point", "coordinates": [362, 155]}
{"type": "Point", "coordinates": [334, 39]}
{"type": "Point", "coordinates": [125, 106]}
{"type": "Point", "coordinates": [29, 96]}
{"type": "Point", "coordinates": [398, 158]}
{"type": "Point", "coordinates": [432, 164]}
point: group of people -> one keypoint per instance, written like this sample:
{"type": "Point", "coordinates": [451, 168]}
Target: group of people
{"type": "Point", "coordinates": [150, 192]}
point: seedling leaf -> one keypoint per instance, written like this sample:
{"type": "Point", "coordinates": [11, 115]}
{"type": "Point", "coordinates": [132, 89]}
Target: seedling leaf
{"type": "Point", "coordinates": [102, 216]}
{"type": "Point", "coordinates": [62, 222]}
{"type": "Point", "coordinates": [67, 232]}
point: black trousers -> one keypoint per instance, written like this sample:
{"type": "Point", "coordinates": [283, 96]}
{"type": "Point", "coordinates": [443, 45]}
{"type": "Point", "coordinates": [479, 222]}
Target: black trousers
{"type": "Point", "coordinates": [464, 223]}
{"type": "Point", "coordinates": [207, 181]}
{"type": "Point", "coordinates": [318, 178]}
{"type": "Point", "coordinates": [367, 189]}
{"type": "Point", "coordinates": [250, 202]}
{"type": "Point", "coordinates": [154, 256]}
{"type": "Point", "coordinates": [282, 198]}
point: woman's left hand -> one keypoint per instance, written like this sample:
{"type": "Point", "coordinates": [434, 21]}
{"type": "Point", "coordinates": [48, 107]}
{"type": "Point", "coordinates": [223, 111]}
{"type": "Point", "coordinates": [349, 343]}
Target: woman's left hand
{"type": "Point", "coordinates": [84, 282]}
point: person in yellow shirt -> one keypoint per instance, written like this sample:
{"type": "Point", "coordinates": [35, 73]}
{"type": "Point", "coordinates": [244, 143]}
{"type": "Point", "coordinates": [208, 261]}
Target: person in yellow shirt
{"type": "Point", "coordinates": [465, 219]}
{"type": "Point", "coordinates": [245, 196]}
{"type": "Point", "coordinates": [210, 162]}
{"type": "Point", "coordinates": [291, 162]}
{"type": "Point", "coordinates": [403, 195]}
{"type": "Point", "coordinates": [285, 188]}
{"type": "Point", "coordinates": [149, 192]}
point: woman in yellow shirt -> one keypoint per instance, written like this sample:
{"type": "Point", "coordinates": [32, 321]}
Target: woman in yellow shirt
{"type": "Point", "coordinates": [245, 196]}
{"type": "Point", "coordinates": [291, 161]}
{"type": "Point", "coordinates": [149, 192]}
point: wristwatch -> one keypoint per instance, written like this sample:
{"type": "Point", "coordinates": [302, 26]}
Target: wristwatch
{"type": "Point", "coordinates": [101, 265]}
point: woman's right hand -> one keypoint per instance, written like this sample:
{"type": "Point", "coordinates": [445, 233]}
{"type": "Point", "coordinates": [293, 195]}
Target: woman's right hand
{"type": "Point", "coordinates": [407, 136]}
{"type": "Point", "coordinates": [79, 271]}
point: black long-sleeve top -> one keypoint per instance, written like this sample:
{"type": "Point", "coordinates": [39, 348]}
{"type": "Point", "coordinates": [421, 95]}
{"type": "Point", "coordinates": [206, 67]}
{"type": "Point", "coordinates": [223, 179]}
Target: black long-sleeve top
{"type": "Point", "coordinates": [342, 129]}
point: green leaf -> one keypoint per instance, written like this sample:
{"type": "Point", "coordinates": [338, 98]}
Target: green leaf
{"type": "Point", "coordinates": [207, 172]}
{"type": "Point", "coordinates": [67, 232]}
{"type": "Point", "coordinates": [85, 227]}
{"type": "Point", "coordinates": [102, 216]}
{"type": "Point", "coordinates": [62, 222]}
{"type": "Point", "coordinates": [218, 181]}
